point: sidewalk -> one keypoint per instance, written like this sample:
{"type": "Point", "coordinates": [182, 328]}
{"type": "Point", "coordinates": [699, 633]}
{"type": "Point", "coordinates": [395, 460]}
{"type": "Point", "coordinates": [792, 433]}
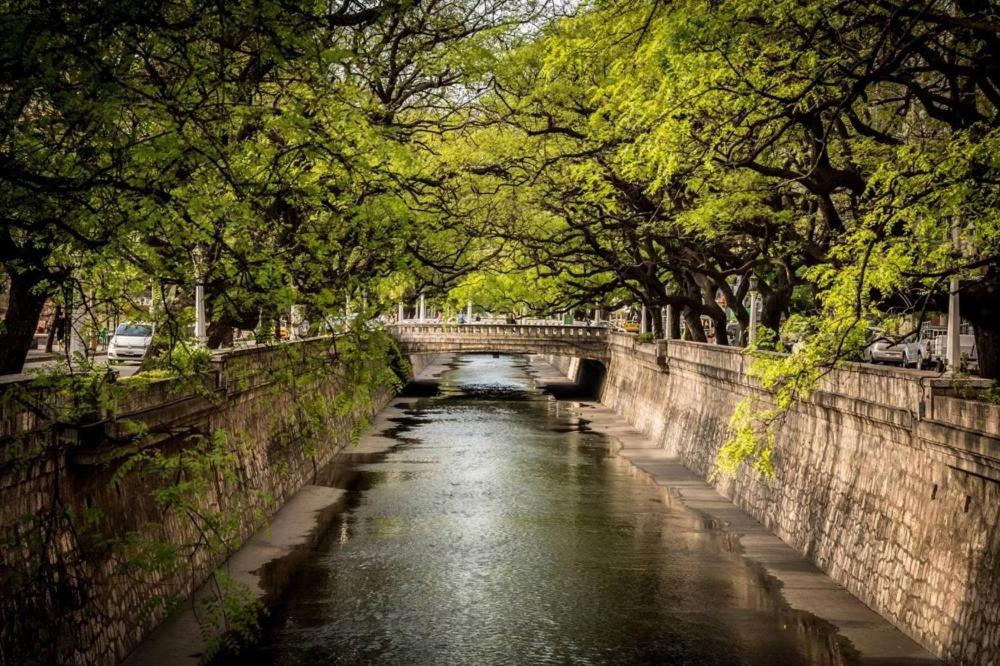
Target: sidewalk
{"type": "Point", "coordinates": [38, 360]}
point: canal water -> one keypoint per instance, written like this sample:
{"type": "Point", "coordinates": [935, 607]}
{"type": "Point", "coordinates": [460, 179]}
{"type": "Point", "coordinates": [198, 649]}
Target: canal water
{"type": "Point", "coordinates": [500, 530]}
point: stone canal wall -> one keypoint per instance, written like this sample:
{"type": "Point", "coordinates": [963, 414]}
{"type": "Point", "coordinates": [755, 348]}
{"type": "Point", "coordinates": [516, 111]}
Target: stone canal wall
{"type": "Point", "coordinates": [93, 548]}
{"type": "Point", "coordinates": [886, 480]}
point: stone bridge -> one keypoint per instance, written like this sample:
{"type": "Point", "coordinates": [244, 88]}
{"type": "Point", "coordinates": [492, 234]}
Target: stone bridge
{"type": "Point", "coordinates": [586, 342]}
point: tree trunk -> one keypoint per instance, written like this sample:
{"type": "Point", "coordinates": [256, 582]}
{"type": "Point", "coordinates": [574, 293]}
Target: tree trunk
{"type": "Point", "coordinates": [695, 331]}
{"type": "Point", "coordinates": [988, 350]}
{"type": "Point", "coordinates": [721, 334]}
{"type": "Point", "coordinates": [50, 340]}
{"type": "Point", "coordinates": [980, 305]}
{"type": "Point", "coordinates": [775, 305]}
{"type": "Point", "coordinates": [657, 321]}
{"type": "Point", "coordinates": [675, 324]}
{"type": "Point", "coordinates": [21, 320]}
{"type": "Point", "coordinates": [219, 335]}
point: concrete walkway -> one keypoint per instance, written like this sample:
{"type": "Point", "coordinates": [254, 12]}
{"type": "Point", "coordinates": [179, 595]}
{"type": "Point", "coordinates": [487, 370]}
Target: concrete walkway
{"type": "Point", "coordinates": [803, 586]}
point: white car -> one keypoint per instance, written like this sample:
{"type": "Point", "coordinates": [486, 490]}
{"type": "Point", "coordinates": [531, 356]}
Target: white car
{"type": "Point", "coordinates": [919, 352]}
{"type": "Point", "coordinates": [967, 348]}
{"type": "Point", "coordinates": [130, 342]}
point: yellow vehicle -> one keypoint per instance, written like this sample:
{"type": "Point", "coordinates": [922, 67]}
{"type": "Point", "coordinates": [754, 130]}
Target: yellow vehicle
{"type": "Point", "coordinates": [620, 320]}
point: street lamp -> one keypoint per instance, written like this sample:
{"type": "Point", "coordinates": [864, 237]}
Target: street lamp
{"type": "Point", "coordinates": [954, 315]}
{"type": "Point", "coordinates": [752, 337]}
{"type": "Point", "coordinates": [200, 326]}
{"type": "Point", "coordinates": [294, 321]}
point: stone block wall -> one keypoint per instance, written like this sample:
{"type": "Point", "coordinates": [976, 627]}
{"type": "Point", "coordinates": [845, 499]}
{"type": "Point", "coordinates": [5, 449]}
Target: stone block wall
{"type": "Point", "coordinates": [569, 366]}
{"type": "Point", "coordinates": [883, 480]}
{"type": "Point", "coordinates": [102, 604]}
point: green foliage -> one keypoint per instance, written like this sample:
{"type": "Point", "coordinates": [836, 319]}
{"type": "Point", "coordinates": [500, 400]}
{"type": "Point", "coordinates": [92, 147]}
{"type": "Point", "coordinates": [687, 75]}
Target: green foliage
{"type": "Point", "coordinates": [229, 619]}
{"type": "Point", "coordinates": [180, 360]}
{"type": "Point", "coordinates": [666, 155]}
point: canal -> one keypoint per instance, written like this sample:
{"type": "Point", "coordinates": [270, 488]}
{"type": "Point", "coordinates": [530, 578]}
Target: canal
{"type": "Point", "coordinates": [499, 529]}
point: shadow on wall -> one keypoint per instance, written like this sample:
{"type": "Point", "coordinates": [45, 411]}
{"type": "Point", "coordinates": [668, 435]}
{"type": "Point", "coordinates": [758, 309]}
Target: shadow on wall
{"type": "Point", "coordinates": [588, 385]}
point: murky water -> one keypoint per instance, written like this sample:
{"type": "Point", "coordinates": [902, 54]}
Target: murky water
{"type": "Point", "coordinates": [501, 531]}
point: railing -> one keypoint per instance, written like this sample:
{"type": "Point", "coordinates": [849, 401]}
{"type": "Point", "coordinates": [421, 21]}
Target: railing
{"type": "Point", "coordinates": [480, 330]}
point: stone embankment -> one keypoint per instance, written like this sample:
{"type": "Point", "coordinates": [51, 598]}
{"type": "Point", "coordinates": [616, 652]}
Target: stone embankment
{"type": "Point", "coordinates": [886, 479]}
{"type": "Point", "coordinates": [89, 555]}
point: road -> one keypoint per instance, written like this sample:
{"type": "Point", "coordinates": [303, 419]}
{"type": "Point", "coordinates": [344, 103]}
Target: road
{"type": "Point", "coordinates": [39, 360]}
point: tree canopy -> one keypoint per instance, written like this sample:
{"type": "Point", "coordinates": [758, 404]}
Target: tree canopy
{"type": "Point", "coordinates": [549, 155]}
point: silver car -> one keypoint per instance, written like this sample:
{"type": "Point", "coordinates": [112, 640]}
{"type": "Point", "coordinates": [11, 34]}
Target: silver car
{"type": "Point", "coordinates": [884, 351]}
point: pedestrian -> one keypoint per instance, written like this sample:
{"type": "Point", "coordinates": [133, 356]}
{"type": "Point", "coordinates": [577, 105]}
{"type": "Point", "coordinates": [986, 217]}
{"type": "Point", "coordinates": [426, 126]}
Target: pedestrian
{"type": "Point", "coordinates": [60, 327]}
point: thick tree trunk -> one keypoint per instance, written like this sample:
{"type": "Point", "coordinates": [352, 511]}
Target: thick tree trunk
{"type": "Point", "coordinates": [675, 325]}
{"type": "Point", "coordinates": [721, 334]}
{"type": "Point", "coordinates": [692, 322]}
{"type": "Point", "coordinates": [775, 305]}
{"type": "Point", "coordinates": [980, 305]}
{"type": "Point", "coordinates": [657, 321]}
{"type": "Point", "coordinates": [21, 320]}
{"type": "Point", "coordinates": [988, 349]}
{"type": "Point", "coordinates": [219, 335]}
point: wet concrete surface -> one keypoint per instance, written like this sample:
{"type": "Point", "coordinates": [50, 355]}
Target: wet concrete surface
{"type": "Point", "coordinates": [484, 522]}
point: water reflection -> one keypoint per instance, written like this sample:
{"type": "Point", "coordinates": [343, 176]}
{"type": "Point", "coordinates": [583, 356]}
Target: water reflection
{"type": "Point", "coordinates": [500, 530]}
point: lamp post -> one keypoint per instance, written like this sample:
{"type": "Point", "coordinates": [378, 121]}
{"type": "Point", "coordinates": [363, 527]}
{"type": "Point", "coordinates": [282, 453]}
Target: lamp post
{"type": "Point", "coordinates": [153, 312]}
{"type": "Point", "coordinates": [423, 308]}
{"type": "Point", "coordinates": [643, 321]}
{"type": "Point", "coordinates": [468, 311]}
{"type": "Point", "coordinates": [954, 315]}
{"type": "Point", "coordinates": [75, 315]}
{"type": "Point", "coordinates": [399, 317]}
{"type": "Point", "coordinates": [200, 327]}
{"type": "Point", "coordinates": [752, 336]}
{"type": "Point", "coordinates": [668, 325]}
{"type": "Point", "coordinates": [294, 321]}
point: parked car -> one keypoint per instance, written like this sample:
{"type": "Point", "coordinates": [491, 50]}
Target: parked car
{"type": "Point", "coordinates": [967, 347]}
{"type": "Point", "coordinates": [918, 353]}
{"type": "Point", "coordinates": [882, 350]}
{"type": "Point", "coordinates": [130, 342]}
